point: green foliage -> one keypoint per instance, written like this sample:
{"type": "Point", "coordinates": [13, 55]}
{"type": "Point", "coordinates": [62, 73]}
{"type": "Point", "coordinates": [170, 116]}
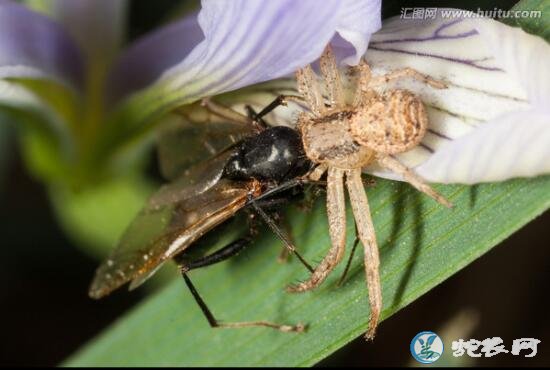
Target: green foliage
{"type": "Point", "coordinates": [538, 26]}
{"type": "Point", "coordinates": [421, 244]}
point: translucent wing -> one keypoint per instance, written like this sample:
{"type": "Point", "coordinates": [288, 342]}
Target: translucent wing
{"type": "Point", "coordinates": [191, 181]}
{"type": "Point", "coordinates": [194, 134]}
{"type": "Point", "coordinates": [190, 138]}
{"type": "Point", "coordinates": [163, 229]}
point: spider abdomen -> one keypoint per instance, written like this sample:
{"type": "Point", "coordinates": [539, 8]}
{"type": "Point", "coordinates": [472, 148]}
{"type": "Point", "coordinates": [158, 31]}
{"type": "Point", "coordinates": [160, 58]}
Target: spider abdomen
{"type": "Point", "coordinates": [392, 122]}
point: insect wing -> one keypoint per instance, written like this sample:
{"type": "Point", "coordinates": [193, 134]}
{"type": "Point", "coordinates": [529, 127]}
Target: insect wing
{"type": "Point", "coordinates": [194, 134]}
{"type": "Point", "coordinates": [161, 231]}
{"type": "Point", "coordinates": [185, 141]}
{"type": "Point", "coordinates": [192, 182]}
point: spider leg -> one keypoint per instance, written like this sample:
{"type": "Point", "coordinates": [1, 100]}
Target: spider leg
{"type": "Point", "coordinates": [362, 83]}
{"type": "Point", "coordinates": [394, 165]}
{"type": "Point", "coordinates": [336, 210]}
{"type": "Point", "coordinates": [366, 232]}
{"type": "Point", "coordinates": [405, 73]}
{"type": "Point", "coordinates": [318, 172]}
{"type": "Point", "coordinates": [309, 88]}
{"type": "Point", "coordinates": [331, 76]}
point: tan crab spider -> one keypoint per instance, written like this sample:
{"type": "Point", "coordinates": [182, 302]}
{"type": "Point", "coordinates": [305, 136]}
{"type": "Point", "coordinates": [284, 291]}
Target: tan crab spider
{"type": "Point", "coordinates": [342, 138]}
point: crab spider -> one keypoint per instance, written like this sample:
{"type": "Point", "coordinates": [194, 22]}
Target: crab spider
{"type": "Point", "coordinates": [342, 138]}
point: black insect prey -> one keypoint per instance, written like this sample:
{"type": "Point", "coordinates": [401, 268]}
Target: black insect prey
{"type": "Point", "coordinates": [254, 175]}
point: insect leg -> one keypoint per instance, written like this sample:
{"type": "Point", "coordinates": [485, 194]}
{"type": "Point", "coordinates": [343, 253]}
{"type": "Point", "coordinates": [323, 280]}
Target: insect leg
{"type": "Point", "coordinates": [348, 264]}
{"type": "Point", "coordinates": [285, 253]}
{"type": "Point", "coordinates": [275, 202]}
{"type": "Point", "coordinates": [331, 76]}
{"type": "Point", "coordinates": [225, 112]}
{"type": "Point", "coordinates": [273, 226]}
{"type": "Point", "coordinates": [251, 113]}
{"type": "Point", "coordinates": [404, 73]}
{"type": "Point", "coordinates": [230, 250]}
{"type": "Point", "coordinates": [365, 228]}
{"type": "Point", "coordinates": [216, 324]}
{"type": "Point", "coordinates": [285, 186]}
{"type": "Point", "coordinates": [394, 165]}
{"type": "Point", "coordinates": [280, 100]}
{"type": "Point", "coordinates": [336, 210]}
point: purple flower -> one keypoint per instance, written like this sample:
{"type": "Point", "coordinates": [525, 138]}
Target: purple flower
{"type": "Point", "coordinates": [490, 124]}
{"type": "Point", "coordinates": [109, 94]}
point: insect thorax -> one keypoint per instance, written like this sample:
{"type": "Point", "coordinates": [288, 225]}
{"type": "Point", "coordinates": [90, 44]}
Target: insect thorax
{"type": "Point", "coordinates": [329, 140]}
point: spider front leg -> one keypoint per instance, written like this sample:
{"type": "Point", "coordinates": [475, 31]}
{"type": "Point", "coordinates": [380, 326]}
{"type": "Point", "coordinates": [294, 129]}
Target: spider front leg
{"type": "Point", "coordinates": [367, 235]}
{"type": "Point", "coordinates": [362, 82]}
{"type": "Point", "coordinates": [331, 76]}
{"type": "Point", "coordinates": [336, 211]}
{"type": "Point", "coordinates": [406, 73]}
{"type": "Point", "coordinates": [308, 87]}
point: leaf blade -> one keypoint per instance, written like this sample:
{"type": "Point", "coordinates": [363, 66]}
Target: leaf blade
{"type": "Point", "coordinates": [169, 329]}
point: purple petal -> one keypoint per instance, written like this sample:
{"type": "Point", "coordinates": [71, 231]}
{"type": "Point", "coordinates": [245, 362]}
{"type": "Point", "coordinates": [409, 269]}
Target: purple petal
{"type": "Point", "coordinates": [358, 21]}
{"type": "Point", "coordinates": [147, 58]}
{"type": "Point", "coordinates": [249, 41]}
{"type": "Point", "coordinates": [33, 46]}
{"type": "Point", "coordinates": [97, 25]}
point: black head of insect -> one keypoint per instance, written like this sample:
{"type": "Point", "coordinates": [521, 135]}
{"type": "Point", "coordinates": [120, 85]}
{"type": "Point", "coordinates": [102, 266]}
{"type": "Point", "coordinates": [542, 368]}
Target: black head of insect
{"type": "Point", "coordinates": [275, 154]}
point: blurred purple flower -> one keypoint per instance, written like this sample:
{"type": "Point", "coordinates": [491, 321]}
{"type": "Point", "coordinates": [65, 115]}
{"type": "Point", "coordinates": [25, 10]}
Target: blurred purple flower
{"type": "Point", "coordinates": [227, 45]}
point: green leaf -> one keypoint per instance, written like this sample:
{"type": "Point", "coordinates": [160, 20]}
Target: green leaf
{"type": "Point", "coordinates": [421, 244]}
{"type": "Point", "coordinates": [538, 25]}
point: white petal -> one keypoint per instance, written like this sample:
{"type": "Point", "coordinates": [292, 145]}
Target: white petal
{"type": "Point", "coordinates": [515, 144]}
{"type": "Point", "coordinates": [481, 90]}
{"type": "Point", "coordinates": [525, 57]}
